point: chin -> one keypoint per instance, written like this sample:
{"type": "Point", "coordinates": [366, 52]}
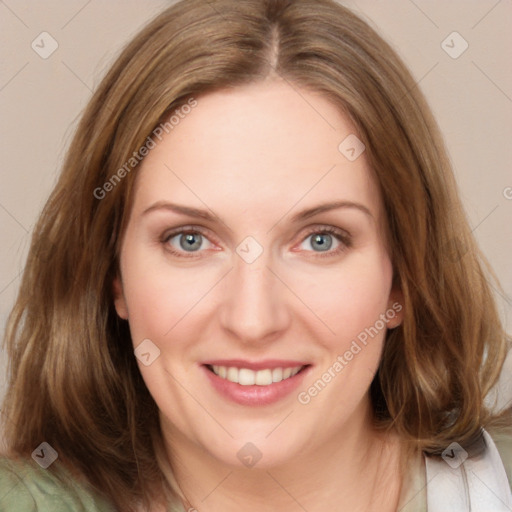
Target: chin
{"type": "Point", "coordinates": [257, 450]}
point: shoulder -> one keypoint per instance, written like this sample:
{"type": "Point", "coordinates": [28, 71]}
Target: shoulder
{"type": "Point", "coordinates": [26, 487]}
{"type": "Point", "coordinates": [503, 441]}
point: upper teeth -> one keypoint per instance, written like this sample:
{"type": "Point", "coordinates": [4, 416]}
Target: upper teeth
{"type": "Point", "coordinates": [247, 377]}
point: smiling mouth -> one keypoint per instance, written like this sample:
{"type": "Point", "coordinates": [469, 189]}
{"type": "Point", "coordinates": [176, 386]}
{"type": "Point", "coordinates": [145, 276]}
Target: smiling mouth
{"type": "Point", "coordinates": [248, 377]}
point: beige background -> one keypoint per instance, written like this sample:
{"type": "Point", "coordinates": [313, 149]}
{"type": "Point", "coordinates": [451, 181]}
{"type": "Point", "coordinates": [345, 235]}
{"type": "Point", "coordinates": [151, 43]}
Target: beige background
{"type": "Point", "coordinates": [41, 100]}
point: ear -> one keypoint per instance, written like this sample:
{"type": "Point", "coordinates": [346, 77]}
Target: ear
{"type": "Point", "coordinates": [395, 311]}
{"type": "Point", "coordinates": [119, 300]}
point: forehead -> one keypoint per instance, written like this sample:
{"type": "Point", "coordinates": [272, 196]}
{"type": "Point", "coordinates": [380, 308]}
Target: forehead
{"type": "Point", "coordinates": [263, 145]}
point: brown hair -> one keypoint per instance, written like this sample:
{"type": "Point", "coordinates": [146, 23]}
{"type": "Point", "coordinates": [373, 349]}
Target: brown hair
{"type": "Point", "coordinates": [73, 379]}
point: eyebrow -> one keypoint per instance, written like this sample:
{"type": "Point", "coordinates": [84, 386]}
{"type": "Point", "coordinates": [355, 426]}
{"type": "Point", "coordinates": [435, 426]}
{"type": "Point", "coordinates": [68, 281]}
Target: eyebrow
{"type": "Point", "coordinates": [303, 215]}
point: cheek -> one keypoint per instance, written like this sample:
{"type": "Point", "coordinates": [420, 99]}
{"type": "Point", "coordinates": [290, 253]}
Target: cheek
{"type": "Point", "coordinates": [345, 299]}
{"type": "Point", "coordinates": [349, 298]}
{"type": "Point", "coordinates": [158, 296]}
{"type": "Point", "coordinates": [352, 303]}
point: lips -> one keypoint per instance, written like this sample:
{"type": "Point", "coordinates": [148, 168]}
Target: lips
{"type": "Point", "coordinates": [255, 383]}
{"type": "Point", "coordinates": [248, 377]}
{"type": "Point", "coordinates": [256, 365]}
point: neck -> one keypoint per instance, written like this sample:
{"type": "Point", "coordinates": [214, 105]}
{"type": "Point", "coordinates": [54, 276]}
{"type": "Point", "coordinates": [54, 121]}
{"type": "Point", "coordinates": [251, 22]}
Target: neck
{"type": "Point", "coordinates": [357, 470]}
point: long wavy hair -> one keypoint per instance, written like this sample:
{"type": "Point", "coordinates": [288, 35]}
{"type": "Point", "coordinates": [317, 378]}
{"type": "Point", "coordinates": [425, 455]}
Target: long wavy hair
{"type": "Point", "coordinates": [73, 378]}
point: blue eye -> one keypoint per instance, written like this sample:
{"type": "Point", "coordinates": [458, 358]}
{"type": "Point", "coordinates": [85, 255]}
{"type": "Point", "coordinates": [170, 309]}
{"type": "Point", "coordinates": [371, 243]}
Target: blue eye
{"type": "Point", "coordinates": [321, 240]}
{"type": "Point", "coordinates": [189, 241]}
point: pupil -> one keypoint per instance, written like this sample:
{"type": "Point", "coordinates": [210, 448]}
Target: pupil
{"type": "Point", "coordinates": [324, 246]}
{"type": "Point", "coordinates": [192, 241]}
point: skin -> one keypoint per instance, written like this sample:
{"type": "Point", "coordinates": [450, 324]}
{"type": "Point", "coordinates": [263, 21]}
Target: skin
{"type": "Point", "coordinates": [255, 156]}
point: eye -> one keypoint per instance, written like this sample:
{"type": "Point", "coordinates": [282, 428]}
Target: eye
{"type": "Point", "coordinates": [188, 242]}
{"type": "Point", "coordinates": [185, 240]}
{"type": "Point", "coordinates": [321, 240]}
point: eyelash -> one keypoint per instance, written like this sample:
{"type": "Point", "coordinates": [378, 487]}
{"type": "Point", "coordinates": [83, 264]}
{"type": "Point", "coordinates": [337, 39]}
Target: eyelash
{"type": "Point", "coordinates": [341, 236]}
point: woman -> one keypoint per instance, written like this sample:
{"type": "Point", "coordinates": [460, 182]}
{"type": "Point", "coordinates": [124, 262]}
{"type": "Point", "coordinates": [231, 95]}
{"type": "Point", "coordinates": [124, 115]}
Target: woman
{"type": "Point", "coordinates": [254, 287]}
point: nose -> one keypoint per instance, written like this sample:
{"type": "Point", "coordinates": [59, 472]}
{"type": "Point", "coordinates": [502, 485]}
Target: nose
{"type": "Point", "coordinates": [254, 306]}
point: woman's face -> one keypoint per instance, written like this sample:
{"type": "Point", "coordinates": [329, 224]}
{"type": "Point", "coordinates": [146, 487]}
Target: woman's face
{"type": "Point", "coordinates": [265, 281]}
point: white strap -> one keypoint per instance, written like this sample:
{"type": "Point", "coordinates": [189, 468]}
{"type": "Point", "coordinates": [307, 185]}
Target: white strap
{"type": "Point", "coordinates": [461, 484]}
